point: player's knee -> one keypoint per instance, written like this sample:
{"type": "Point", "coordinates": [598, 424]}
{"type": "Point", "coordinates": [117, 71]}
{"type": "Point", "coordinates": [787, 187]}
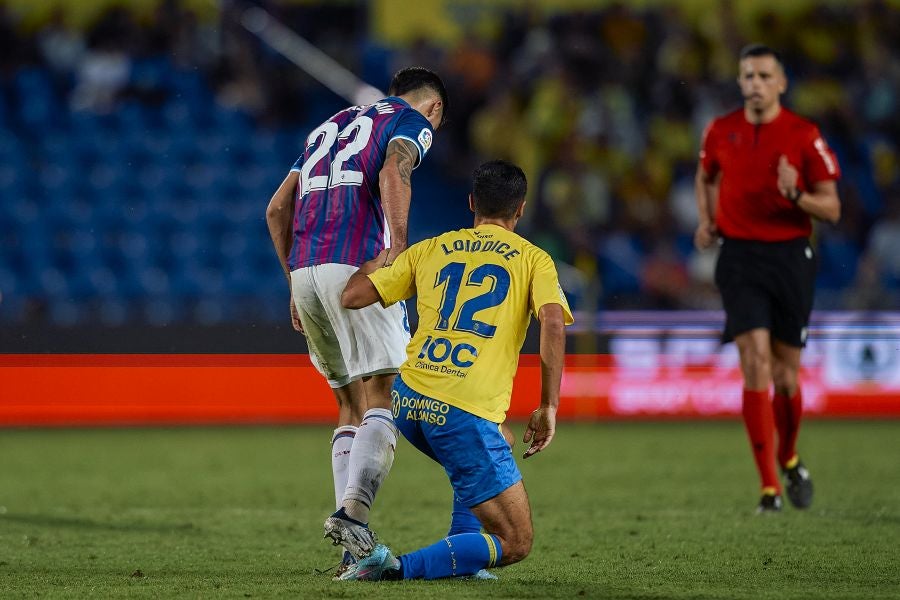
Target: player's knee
{"type": "Point", "coordinates": [516, 551]}
{"type": "Point", "coordinates": [517, 545]}
{"type": "Point", "coordinates": [784, 378]}
{"type": "Point", "coordinates": [785, 383]}
{"type": "Point", "coordinates": [757, 363]}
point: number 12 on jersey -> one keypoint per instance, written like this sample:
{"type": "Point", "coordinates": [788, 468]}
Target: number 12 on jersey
{"type": "Point", "coordinates": [451, 277]}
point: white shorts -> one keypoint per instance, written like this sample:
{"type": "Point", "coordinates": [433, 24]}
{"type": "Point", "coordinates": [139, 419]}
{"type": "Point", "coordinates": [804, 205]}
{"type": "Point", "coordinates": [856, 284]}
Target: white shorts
{"type": "Point", "coordinates": [346, 345]}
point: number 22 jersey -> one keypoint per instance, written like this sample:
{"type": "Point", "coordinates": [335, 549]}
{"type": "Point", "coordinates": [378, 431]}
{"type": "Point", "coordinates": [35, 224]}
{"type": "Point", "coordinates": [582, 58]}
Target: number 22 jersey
{"type": "Point", "coordinates": [477, 289]}
{"type": "Point", "coordinates": [338, 217]}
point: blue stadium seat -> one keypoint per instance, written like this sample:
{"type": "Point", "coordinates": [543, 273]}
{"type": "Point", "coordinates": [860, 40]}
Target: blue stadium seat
{"type": "Point", "coordinates": [5, 112]}
{"type": "Point", "coordinates": [621, 259]}
{"type": "Point", "coordinates": [12, 148]}
{"type": "Point", "coordinates": [161, 310]}
{"type": "Point", "coordinates": [85, 124]}
{"type": "Point", "coordinates": [12, 181]}
{"type": "Point", "coordinates": [103, 281]}
{"type": "Point", "coordinates": [376, 62]}
{"type": "Point", "coordinates": [133, 117]}
{"type": "Point", "coordinates": [838, 260]}
{"type": "Point", "coordinates": [53, 282]}
{"type": "Point", "coordinates": [177, 116]}
{"type": "Point", "coordinates": [241, 280]}
{"type": "Point", "coordinates": [232, 121]}
{"type": "Point", "coordinates": [12, 308]}
{"type": "Point", "coordinates": [10, 283]}
{"type": "Point", "coordinates": [39, 107]}
{"type": "Point", "coordinates": [64, 312]}
{"type": "Point", "coordinates": [113, 311]}
{"type": "Point", "coordinates": [151, 73]}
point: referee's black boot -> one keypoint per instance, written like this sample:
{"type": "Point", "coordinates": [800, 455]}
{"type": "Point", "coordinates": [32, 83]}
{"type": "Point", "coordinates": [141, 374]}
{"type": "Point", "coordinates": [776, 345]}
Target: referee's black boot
{"type": "Point", "coordinates": [799, 485]}
{"type": "Point", "coordinates": [769, 504]}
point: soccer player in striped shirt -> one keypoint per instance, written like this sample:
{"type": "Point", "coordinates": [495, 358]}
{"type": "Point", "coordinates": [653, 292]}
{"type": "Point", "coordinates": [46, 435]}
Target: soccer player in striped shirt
{"type": "Point", "coordinates": [345, 200]}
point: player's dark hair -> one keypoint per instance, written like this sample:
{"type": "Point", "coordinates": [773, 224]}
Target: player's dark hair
{"type": "Point", "coordinates": [411, 79]}
{"type": "Point", "coordinates": [498, 187]}
{"type": "Point", "coordinates": [757, 50]}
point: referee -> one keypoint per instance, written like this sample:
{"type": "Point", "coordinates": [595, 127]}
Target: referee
{"type": "Point", "coordinates": [763, 172]}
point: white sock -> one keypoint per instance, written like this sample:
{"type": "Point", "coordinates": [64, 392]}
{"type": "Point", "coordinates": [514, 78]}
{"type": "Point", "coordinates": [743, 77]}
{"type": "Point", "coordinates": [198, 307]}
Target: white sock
{"type": "Point", "coordinates": [341, 442]}
{"type": "Point", "coordinates": [370, 461]}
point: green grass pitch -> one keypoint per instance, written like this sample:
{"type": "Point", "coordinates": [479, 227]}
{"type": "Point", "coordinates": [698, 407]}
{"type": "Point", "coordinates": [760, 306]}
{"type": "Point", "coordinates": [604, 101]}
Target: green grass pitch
{"type": "Point", "coordinates": [630, 510]}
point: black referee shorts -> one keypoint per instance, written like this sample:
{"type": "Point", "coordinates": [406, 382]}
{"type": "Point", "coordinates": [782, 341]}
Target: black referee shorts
{"type": "Point", "coordinates": [767, 285]}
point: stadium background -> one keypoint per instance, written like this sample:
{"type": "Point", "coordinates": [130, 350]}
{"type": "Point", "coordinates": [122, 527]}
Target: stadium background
{"type": "Point", "coordinates": [140, 142]}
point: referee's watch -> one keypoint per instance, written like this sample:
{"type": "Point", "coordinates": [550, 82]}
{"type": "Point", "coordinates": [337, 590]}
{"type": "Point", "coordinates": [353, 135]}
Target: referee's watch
{"type": "Point", "coordinates": [794, 196]}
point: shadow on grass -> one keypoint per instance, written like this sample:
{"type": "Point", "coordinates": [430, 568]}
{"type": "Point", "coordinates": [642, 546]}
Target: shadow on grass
{"type": "Point", "coordinates": [82, 523]}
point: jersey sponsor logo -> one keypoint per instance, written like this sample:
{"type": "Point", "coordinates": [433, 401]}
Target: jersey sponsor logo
{"type": "Point", "coordinates": [425, 139]}
{"type": "Point", "coordinates": [420, 408]}
{"type": "Point", "coordinates": [395, 403]}
{"type": "Point", "coordinates": [437, 350]}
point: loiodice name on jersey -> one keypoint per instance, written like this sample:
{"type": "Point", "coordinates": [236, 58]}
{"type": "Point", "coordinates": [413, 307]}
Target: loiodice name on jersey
{"type": "Point", "coordinates": [501, 248]}
{"type": "Point", "coordinates": [436, 352]}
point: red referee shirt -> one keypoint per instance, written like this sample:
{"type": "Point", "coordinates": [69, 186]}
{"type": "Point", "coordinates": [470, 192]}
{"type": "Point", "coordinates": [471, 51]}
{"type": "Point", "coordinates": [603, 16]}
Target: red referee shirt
{"type": "Point", "coordinates": [750, 207]}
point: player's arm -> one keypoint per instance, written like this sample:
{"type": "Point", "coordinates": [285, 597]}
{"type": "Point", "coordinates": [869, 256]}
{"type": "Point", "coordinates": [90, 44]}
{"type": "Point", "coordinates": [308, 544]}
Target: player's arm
{"type": "Point", "coordinates": [360, 291]}
{"type": "Point", "coordinates": [821, 201]}
{"type": "Point", "coordinates": [542, 424]}
{"type": "Point", "coordinates": [377, 282]}
{"type": "Point", "coordinates": [279, 215]}
{"type": "Point", "coordinates": [396, 191]}
{"type": "Point", "coordinates": [706, 189]}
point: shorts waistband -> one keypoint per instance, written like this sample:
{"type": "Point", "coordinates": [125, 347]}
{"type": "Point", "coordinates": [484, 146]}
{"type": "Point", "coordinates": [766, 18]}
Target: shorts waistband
{"type": "Point", "coordinates": [741, 243]}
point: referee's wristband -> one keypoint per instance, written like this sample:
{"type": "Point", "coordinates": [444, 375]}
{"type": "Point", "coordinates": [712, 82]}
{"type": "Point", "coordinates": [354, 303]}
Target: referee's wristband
{"type": "Point", "coordinates": [794, 196]}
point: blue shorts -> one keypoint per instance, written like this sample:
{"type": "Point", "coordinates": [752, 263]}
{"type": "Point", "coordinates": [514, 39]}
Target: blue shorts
{"type": "Point", "coordinates": [472, 450]}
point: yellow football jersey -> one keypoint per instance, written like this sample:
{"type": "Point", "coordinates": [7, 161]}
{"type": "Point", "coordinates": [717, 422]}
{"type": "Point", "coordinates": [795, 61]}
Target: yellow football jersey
{"type": "Point", "coordinates": [477, 289]}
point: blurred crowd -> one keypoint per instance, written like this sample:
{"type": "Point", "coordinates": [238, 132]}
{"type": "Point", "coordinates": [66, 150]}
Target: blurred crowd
{"type": "Point", "coordinates": [606, 108]}
{"type": "Point", "coordinates": [137, 154]}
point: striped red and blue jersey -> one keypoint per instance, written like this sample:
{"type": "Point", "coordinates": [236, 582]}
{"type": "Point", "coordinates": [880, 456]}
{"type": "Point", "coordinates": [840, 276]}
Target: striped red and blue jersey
{"type": "Point", "coordinates": [338, 217]}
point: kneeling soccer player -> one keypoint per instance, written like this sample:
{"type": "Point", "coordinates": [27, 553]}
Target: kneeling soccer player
{"type": "Point", "coordinates": [477, 289]}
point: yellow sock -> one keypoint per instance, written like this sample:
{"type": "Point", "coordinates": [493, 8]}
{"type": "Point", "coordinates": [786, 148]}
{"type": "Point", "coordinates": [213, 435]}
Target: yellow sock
{"type": "Point", "coordinates": [793, 462]}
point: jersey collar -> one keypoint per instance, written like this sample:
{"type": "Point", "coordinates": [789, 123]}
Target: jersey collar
{"type": "Point", "coordinates": [398, 99]}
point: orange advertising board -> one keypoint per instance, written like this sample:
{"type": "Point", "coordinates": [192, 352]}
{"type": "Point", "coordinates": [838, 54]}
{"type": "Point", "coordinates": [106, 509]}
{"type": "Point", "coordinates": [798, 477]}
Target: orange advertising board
{"type": "Point", "coordinates": [87, 390]}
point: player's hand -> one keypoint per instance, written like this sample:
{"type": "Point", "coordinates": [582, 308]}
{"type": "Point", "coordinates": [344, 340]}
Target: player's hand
{"type": "Point", "coordinates": [370, 266]}
{"type": "Point", "coordinates": [540, 430]}
{"type": "Point", "coordinates": [706, 235]}
{"type": "Point", "coordinates": [295, 317]}
{"type": "Point", "coordinates": [787, 176]}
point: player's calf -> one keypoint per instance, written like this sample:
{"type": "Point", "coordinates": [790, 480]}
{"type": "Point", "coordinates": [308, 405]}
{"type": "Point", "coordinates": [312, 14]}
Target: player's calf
{"type": "Point", "coordinates": [507, 516]}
